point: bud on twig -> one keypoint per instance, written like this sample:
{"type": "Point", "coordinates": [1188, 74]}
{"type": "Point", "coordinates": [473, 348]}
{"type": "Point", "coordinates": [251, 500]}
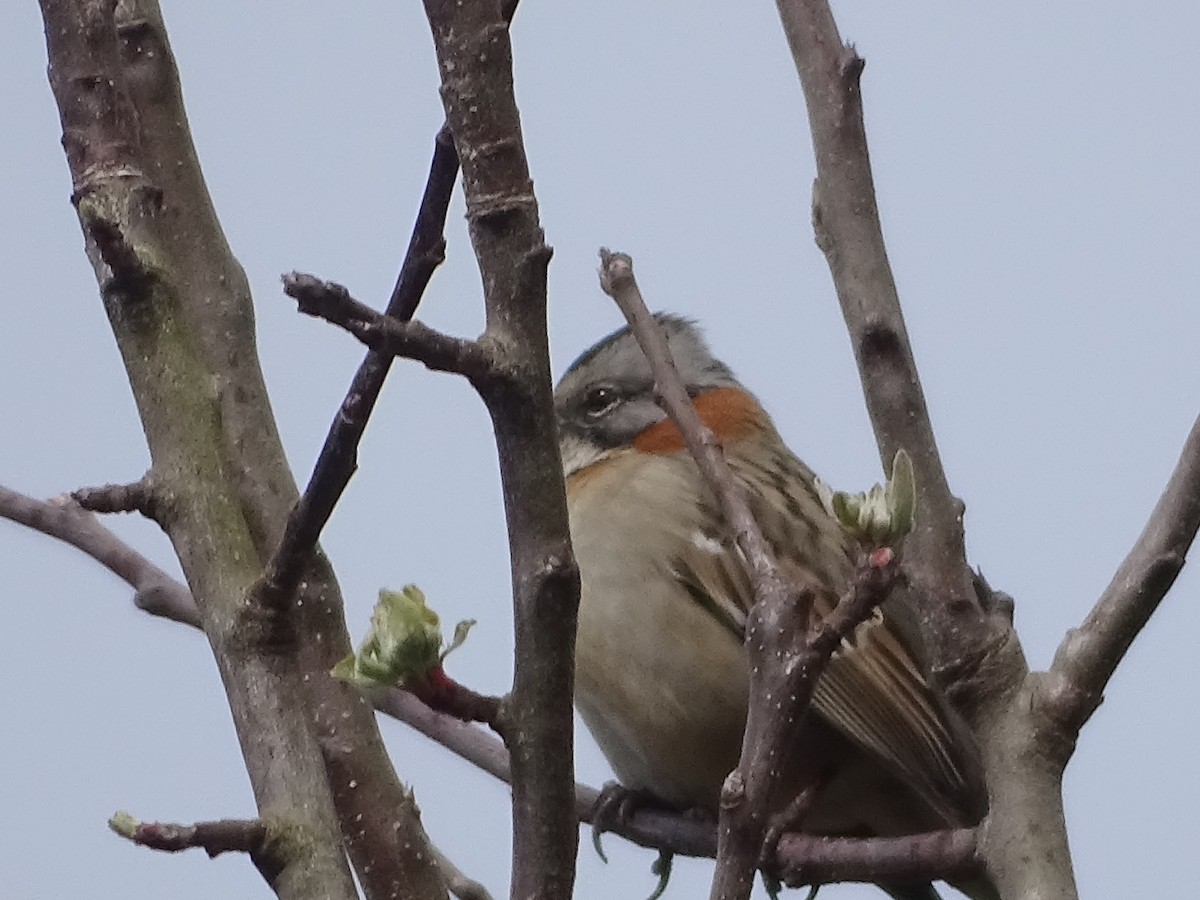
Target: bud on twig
{"type": "Point", "coordinates": [882, 516]}
{"type": "Point", "coordinates": [403, 643]}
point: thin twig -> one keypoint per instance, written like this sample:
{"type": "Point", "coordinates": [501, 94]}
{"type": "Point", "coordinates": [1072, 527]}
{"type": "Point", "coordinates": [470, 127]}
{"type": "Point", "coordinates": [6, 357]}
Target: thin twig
{"type": "Point", "coordinates": [338, 459]}
{"type": "Point", "coordinates": [137, 497]}
{"type": "Point", "coordinates": [779, 609]}
{"type": "Point", "coordinates": [616, 279]}
{"type": "Point", "coordinates": [1089, 654]}
{"type": "Point", "coordinates": [220, 836]}
{"type": "Point", "coordinates": [807, 859]}
{"type": "Point", "coordinates": [441, 693]}
{"type": "Point", "coordinates": [156, 592]}
{"type": "Point", "coordinates": [874, 577]}
{"type": "Point", "coordinates": [383, 334]}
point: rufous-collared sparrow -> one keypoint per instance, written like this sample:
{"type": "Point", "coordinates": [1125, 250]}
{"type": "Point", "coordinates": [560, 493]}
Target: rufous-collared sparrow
{"type": "Point", "coordinates": [661, 672]}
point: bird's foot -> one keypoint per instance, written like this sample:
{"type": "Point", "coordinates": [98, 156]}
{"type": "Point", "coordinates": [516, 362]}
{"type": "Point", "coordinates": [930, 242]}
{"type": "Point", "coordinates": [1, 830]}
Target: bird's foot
{"type": "Point", "coordinates": [613, 808]}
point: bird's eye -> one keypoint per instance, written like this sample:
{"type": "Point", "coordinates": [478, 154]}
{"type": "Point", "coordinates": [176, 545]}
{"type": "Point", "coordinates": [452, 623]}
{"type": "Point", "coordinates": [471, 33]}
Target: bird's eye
{"type": "Point", "coordinates": [600, 400]}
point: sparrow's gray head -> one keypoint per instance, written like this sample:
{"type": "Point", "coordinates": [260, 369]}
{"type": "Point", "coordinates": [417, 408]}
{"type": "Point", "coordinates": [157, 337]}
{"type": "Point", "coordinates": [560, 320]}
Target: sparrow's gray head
{"type": "Point", "coordinates": [607, 398]}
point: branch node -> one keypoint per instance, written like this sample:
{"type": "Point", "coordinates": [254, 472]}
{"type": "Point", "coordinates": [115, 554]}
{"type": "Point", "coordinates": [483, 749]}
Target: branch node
{"type": "Point", "coordinates": [879, 340]}
{"type": "Point", "coordinates": [493, 210]}
{"type": "Point", "coordinates": [127, 270]}
{"type": "Point", "coordinates": [265, 621]}
{"type": "Point", "coordinates": [733, 791]}
{"type": "Point", "coordinates": [850, 66]}
{"type": "Point", "coordinates": [138, 496]}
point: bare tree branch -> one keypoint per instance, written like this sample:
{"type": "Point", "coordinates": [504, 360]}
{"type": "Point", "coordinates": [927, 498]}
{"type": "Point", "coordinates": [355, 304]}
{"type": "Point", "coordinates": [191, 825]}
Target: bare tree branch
{"type": "Point", "coordinates": [120, 498]}
{"type": "Point", "coordinates": [778, 616]}
{"type": "Point", "coordinates": [156, 592]}
{"type": "Point", "coordinates": [385, 335]}
{"type": "Point", "coordinates": [475, 61]}
{"type": "Point", "coordinates": [464, 739]}
{"type": "Point", "coordinates": [976, 656]}
{"type": "Point", "coordinates": [221, 836]}
{"type": "Point", "coordinates": [378, 817]}
{"type": "Point", "coordinates": [1089, 654]}
{"type": "Point", "coordinates": [180, 307]}
{"type": "Point", "coordinates": [441, 693]}
{"type": "Point", "coordinates": [338, 459]}
{"type": "Point", "coordinates": [846, 220]}
{"type": "Point", "coordinates": [806, 859]}
{"type": "Point", "coordinates": [617, 280]}
{"type": "Point", "coordinates": [251, 836]}
{"type": "Point", "coordinates": [119, 208]}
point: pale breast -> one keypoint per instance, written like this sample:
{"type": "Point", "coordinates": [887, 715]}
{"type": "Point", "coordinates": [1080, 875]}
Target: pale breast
{"type": "Point", "coordinates": [661, 682]}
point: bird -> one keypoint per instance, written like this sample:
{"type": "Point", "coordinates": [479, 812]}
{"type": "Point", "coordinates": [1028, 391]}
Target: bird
{"type": "Point", "coordinates": [662, 677]}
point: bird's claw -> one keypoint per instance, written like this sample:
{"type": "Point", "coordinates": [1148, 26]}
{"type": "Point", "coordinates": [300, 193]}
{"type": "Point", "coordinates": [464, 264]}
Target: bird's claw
{"type": "Point", "coordinates": [612, 809]}
{"type": "Point", "coordinates": [662, 868]}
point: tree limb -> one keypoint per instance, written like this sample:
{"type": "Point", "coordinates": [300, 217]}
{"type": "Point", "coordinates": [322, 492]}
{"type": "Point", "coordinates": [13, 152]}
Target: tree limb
{"type": "Point", "coordinates": [385, 335]}
{"type": "Point", "coordinates": [976, 656]}
{"type": "Point", "coordinates": [214, 838]}
{"type": "Point", "coordinates": [155, 591]}
{"type": "Point", "coordinates": [1089, 654]}
{"type": "Point", "coordinates": [127, 226]}
{"type": "Point", "coordinates": [846, 221]}
{"type": "Point", "coordinates": [180, 306]}
{"type": "Point", "coordinates": [475, 62]}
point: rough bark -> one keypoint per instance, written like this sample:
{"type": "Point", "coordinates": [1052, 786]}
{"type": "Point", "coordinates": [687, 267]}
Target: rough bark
{"type": "Point", "coordinates": [181, 310]}
{"type": "Point", "coordinates": [475, 60]}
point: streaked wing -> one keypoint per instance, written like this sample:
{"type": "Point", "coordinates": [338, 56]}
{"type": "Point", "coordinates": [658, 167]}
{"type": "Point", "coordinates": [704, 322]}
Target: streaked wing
{"type": "Point", "coordinates": [873, 690]}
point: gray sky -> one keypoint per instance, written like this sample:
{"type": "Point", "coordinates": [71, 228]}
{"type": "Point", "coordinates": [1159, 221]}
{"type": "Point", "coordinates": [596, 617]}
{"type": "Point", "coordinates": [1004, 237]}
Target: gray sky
{"type": "Point", "coordinates": [1036, 173]}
